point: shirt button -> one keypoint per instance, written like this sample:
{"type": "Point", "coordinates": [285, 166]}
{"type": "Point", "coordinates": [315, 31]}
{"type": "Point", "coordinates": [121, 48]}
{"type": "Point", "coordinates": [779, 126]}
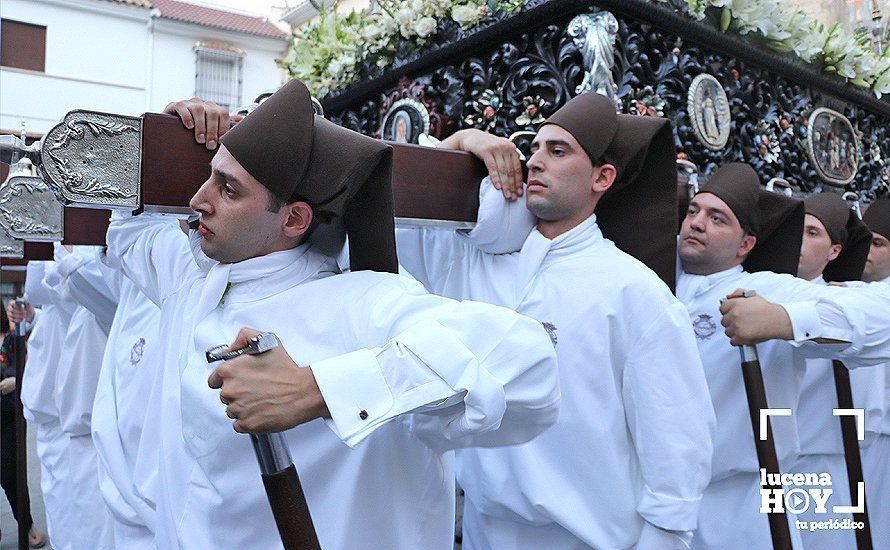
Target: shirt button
{"type": "Point", "coordinates": [363, 414]}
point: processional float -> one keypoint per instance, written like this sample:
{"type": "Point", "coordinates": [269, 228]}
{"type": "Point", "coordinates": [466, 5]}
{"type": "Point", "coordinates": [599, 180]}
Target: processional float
{"type": "Point", "coordinates": [93, 162]}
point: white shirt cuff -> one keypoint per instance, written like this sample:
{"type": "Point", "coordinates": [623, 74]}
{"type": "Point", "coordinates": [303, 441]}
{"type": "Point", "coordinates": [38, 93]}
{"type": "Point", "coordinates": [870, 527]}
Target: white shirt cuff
{"type": "Point", "coordinates": [669, 512]}
{"type": "Point", "coordinates": [366, 389]}
{"type": "Point", "coordinates": [355, 393]}
{"type": "Point", "coordinates": [30, 324]}
{"type": "Point", "coordinates": [653, 537]}
{"type": "Point", "coordinates": [805, 321]}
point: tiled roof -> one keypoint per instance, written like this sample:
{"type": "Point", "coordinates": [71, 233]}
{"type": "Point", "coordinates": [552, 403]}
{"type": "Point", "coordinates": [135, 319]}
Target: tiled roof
{"type": "Point", "coordinates": [211, 17]}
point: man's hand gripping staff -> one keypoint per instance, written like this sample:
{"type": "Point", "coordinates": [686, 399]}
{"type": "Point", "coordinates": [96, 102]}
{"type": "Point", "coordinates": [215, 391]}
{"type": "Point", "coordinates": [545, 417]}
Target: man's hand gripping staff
{"type": "Point", "coordinates": [755, 390]}
{"type": "Point", "coordinates": [280, 477]}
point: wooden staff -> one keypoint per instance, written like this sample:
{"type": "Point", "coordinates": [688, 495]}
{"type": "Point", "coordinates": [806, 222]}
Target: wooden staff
{"type": "Point", "coordinates": [768, 459]}
{"type": "Point", "coordinates": [852, 458]}
{"type": "Point", "coordinates": [23, 498]}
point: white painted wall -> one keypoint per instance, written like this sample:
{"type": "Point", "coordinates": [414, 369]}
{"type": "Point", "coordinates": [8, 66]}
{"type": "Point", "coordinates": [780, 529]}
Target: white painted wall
{"type": "Point", "coordinates": [115, 58]}
{"type": "Point", "coordinates": [173, 69]}
{"type": "Point", "coordinates": [95, 59]}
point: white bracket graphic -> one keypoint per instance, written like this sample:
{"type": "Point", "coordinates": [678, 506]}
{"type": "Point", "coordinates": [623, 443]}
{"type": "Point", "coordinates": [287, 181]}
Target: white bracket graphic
{"type": "Point", "coordinates": [860, 499]}
{"type": "Point", "coordinates": [764, 413]}
{"type": "Point", "coordinates": [860, 420]}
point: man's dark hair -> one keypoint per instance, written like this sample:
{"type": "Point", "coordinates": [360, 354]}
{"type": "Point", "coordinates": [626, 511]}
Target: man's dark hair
{"type": "Point", "coordinates": [274, 203]}
{"type": "Point", "coordinates": [4, 320]}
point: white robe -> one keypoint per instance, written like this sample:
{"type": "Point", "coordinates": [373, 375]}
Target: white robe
{"type": "Point", "coordinates": [377, 344]}
{"type": "Point", "coordinates": [128, 376]}
{"type": "Point", "coordinates": [633, 442]}
{"type": "Point", "coordinates": [876, 458]}
{"type": "Point", "coordinates": [847, 315]}
{"type": "Point", "coordinates": [39, 392]}
{"type": "Point", "coordinates": [76, 381]}
{"type": "Point", "coordinates": [821, 443]}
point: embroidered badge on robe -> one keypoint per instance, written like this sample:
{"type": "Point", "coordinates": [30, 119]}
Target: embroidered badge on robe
{"type": "Point", "coordinates": [136, 352]}
{"type": "Point", "coordinates": [704, 326]}
{"type": "Point", "coordinates": [551, 331]}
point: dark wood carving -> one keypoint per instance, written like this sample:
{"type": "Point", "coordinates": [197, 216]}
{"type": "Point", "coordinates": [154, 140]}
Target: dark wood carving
{"type": "Point", "coordinates": [484, 79]}
{"type": "Point", "coordinates": [441, 125]}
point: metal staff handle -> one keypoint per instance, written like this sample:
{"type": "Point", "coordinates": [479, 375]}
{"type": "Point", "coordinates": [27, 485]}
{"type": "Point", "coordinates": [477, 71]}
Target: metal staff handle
{"type": "Point", "coordinates": [20, 327]}
{"type": "Point", "coordinates": [692, 170]}
{"type": "Point", "coordinates": [852, 456]}
{"type": "Point", "coordinates": [853, 199]}
{"type": "Point", "coordinates": [280, 478]}
{"type": "Point", "coordinates": [767, 458]}
{"type": "Point", "coordinates": [13, 149]}
{"type": "Point", "coordinates": [23, 498]}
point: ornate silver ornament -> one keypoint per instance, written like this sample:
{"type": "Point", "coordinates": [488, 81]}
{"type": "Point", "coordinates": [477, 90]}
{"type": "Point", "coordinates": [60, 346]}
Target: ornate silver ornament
{"type": "Point", "coordinates": [405, 121]}
{"type": "Point", "coordinates": [833, 146]}
{"type": "Point", "coordinates": [263, 96]}
{"type": "Point", "coordinates": [9, 247]}
{"type": "Point", "coordinates": [709, 112]}
{"type": "Point", "coordinates": [691, 170]}
{"type": "Point", "coordinates": [594, 34]}
{"type": "Point", "coordinates": [780, 186]}
{"type": "Point", "coordinates": [29, 210]}
{"type": "Point", "coordinates": [317, 107]}
{"type": "Point", "coordinates": [94, 158]}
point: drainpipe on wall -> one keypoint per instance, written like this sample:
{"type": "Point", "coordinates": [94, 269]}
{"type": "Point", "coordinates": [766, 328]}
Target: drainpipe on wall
{"type": "Point", "coordinates": [149, 65]}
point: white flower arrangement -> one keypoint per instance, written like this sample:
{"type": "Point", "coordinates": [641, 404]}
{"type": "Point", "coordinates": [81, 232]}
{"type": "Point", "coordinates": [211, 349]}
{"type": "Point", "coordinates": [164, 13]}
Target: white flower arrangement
{"type": "Point", "coordinates": [328, 53]}
{"type": "Point", "coordinates": [788, 29]}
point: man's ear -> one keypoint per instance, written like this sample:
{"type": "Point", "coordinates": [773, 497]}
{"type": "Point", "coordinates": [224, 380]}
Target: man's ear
{"type": "Point", "coordinates": [298, 219]}
{"type": "Point", "coordinates": [835, 251]}
{"type": "Point", "coordinates": [605, 176]}
{"type": "Point", "coordinates": [748, 244]}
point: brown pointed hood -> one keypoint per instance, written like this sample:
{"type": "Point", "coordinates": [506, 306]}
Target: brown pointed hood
{"type": "Point", "coordinates": [877, 217]}
{"type": "Point", "coordinates": [639, 211]}
{"type": "Point", "coordinates": [300, 156]}
{"type": "Point", "coordinates": [776, 220]}
{"type": "Point", "coordinates": [846, 229]}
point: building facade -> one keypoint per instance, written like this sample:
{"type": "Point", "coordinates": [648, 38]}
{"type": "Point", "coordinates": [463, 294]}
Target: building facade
{"type": "Point", "coordinates": [128, 57]}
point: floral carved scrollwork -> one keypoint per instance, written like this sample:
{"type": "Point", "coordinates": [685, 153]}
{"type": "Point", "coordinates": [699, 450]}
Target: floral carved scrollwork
{"type": "Point", "coordinates": [94, 158]}
{"type": "Point", "coordinates": [97, 128]}
{"type": "Point", "coordinates": [653, 70]}
{"type": "Point", "coordinates": [73, 180]}
{"type": "Point", "coordinates": [10, 248]}
{"type": "Point", "coordinates": [28, 209]}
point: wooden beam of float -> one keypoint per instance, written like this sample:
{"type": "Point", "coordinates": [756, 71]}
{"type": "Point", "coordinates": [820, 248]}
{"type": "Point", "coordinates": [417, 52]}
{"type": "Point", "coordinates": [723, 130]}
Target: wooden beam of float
{"type": "Point", "coordinates": [100, 161]}
{"type": "Point", "coordinates": [103, 161]}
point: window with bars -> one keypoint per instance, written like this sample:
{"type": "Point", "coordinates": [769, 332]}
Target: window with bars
{"type": "Point", "coordinates": [218, 75]}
